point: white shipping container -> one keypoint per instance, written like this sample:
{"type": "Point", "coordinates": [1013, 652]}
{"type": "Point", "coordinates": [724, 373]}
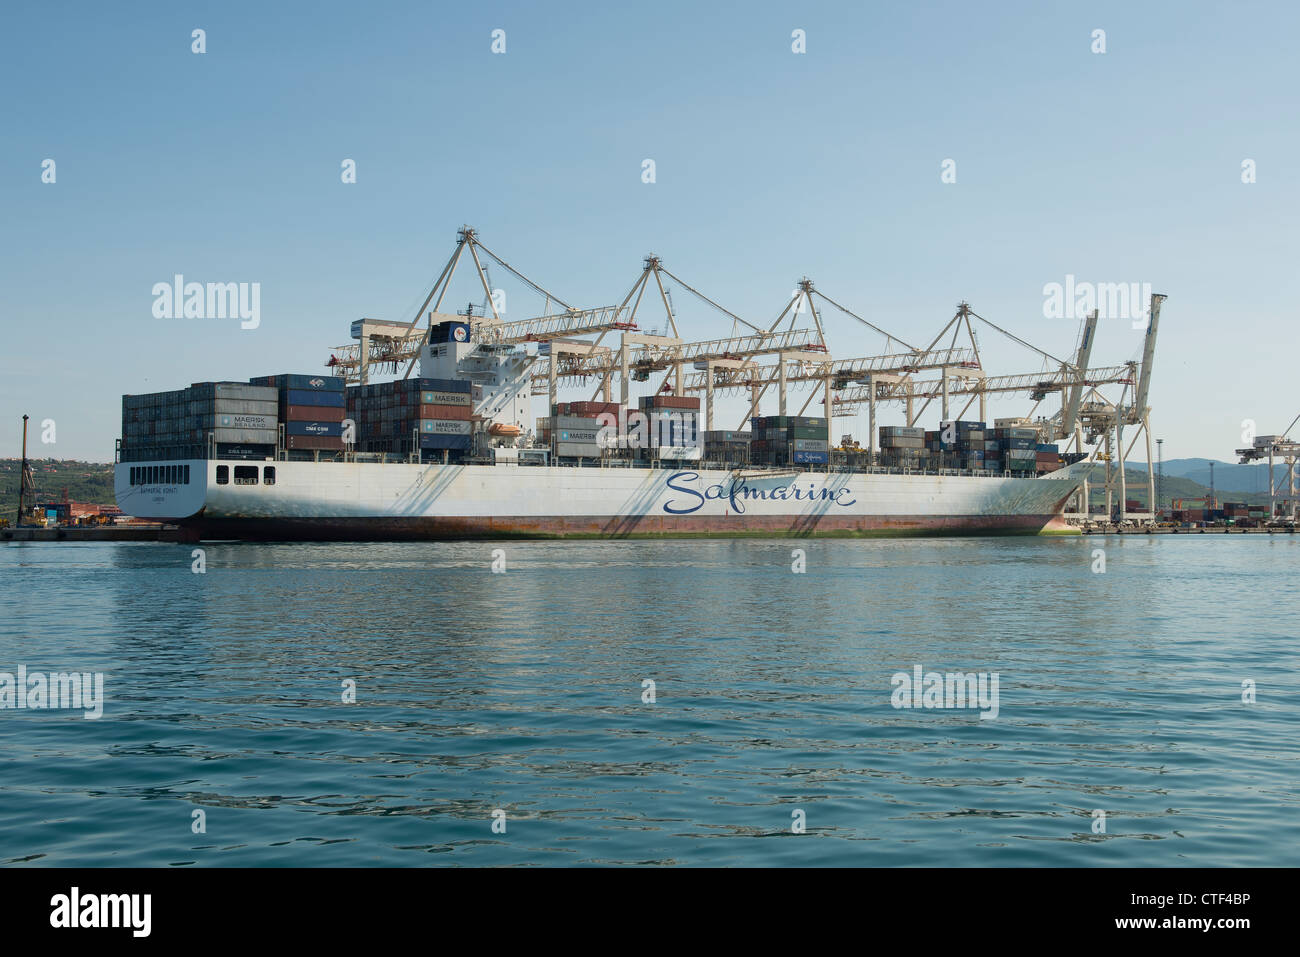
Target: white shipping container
{"type": "Point", "coordinates": [237, 421]}
{"type": "Point", "coordinates": [678, 454]}
{"type": "Point", "coordinates": [446, 426]}
{"type": "Point", "coordinates": [235, 406]}
{"type": "Point", "coordinates": [446, 398]}
{"type": "Point", "coordinates": [246, 436]}
{"type": "Point", "coordinates": [575, 450]}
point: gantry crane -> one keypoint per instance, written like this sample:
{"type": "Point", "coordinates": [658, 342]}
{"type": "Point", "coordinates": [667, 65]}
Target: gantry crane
{"type": "Point", "coordinates": [567, 355]}
{"type": "Point", "coordinates": [1281, 446]}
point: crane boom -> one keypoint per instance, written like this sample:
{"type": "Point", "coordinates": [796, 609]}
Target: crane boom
{"type": "Point", "coordinates": [1080, 363]}
{"type": "Point", "coordinates": [1139, 407]}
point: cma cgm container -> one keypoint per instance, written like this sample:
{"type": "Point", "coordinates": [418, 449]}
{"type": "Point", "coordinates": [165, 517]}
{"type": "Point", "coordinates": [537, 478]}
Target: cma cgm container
{"type": "Point", "coordinates": [311, 409]}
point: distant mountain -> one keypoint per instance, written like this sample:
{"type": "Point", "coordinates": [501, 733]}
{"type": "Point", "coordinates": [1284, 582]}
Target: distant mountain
{"type": "Point", "coordinates": [1229, 476]}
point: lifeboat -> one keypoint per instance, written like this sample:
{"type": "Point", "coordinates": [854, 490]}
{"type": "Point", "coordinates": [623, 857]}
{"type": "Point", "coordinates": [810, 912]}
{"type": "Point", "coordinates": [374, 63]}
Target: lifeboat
{"type": "Point", "coordinates": [503, 431]}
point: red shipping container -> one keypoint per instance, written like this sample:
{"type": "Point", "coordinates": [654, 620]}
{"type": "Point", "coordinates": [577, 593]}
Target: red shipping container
{"type": "Point", "coordinates": [327, 442]}
{"type": "Point", "coordinates": [310, 413]}
{"type": "Point", "coordinates": [673, 401]}
{"type": "Point", "coordinates": [459, 412]}
{"type": "Point", "coordinates": [592, 408]}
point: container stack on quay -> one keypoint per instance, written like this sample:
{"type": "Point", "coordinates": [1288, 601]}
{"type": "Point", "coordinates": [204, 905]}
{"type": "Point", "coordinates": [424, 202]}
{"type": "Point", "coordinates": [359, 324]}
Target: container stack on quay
{"type": "Point", "coordinates": [782, 440]}
{"type": "Point", "coordinates": [311, 411]}
{"type": "Point", "coordinates": [433, 416]}
{"type": "Point", "coordinates": [1238, 514]}
{"type": "Point", "coordinates": [242, 420]}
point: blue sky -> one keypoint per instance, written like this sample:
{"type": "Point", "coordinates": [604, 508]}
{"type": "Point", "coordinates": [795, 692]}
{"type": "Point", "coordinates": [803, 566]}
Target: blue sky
{"type": "Point", "coordinates": [225, 166]}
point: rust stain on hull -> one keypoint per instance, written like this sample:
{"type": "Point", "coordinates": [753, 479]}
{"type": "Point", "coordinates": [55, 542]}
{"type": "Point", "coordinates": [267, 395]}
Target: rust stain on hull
{"type": "Point", "coordinates": [435, 528]}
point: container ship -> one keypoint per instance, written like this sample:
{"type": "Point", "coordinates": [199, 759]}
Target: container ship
{"type": "Point", "coordinates": [301, 457]}
{"type": "Point", "coordinates": [454, 452]}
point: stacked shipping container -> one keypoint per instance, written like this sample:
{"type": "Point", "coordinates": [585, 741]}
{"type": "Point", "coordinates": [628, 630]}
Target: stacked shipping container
{"type": "Point", "coordinates": [242, 420]}
{"type": "Point", "coordinates": [972, 445]}
{"type": "Point", "coordinates": [390, 415]}
{"type": "Point", "coordinates": [674, 423]}
{"type": "Point", "coordinates": [728, 447]}
{"type": "Point", "coordinates": [311, 409]}
{"type": "Point", "coordinates": [781, 440]}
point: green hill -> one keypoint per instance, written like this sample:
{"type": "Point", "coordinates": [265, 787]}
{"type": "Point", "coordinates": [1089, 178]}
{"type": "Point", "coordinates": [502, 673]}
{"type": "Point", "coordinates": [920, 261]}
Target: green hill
{"type": "Point", "coordinates": [84, 482]}
{"type": "Point", "coordinates": [1175, 487]}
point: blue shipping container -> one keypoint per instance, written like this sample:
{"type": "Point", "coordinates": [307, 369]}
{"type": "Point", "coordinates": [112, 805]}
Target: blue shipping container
{"type": "Point", "coordinates": [331, 400]}
{"type": "Point", "coordinates": [313, 428]}
{"type": "Point", "coordinates": [313, 383]}
{"type": "Point", "coordinates": [453, 442]}
{"type": "Point", "coordinates": [440, 385]}
{"type": "Point", "coordinates": [1049, 448]}
{"type": "Point", "coordinates": [812, 458]}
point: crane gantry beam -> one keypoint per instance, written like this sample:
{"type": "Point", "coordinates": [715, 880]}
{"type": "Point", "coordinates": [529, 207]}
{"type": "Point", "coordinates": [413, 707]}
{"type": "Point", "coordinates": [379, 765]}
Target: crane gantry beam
{"type": "Point", "coordinates": [961, 385]}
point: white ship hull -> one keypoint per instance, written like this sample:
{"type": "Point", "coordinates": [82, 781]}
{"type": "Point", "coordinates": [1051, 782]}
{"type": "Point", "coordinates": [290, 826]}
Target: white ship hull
{"type": "Point", "coordinates": [360, 501]}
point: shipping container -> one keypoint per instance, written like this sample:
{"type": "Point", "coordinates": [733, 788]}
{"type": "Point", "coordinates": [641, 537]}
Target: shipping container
{"type": "Point", "coordinates": [313, 428]}
{"type": "Point", "coordinates": [289, 380]}
{"type": "Point", "coordinates": [810, 457]}
{"type": "Point", "coordinates": [439, 397]}
{"type": "Point", "coordinates": [445, 427]}
{"type": "Point", "coordinates": [208, 422]}
{"type": "Point", "coordinates": [245, 436]}
{"type": "Point", "coordinates": [244, 451]}
{"type": "Point", "coordinates": [578, 450]}
{"type": "Point", "coordinates": [308, 397]}
{"type": "Point", "coordinates": [443, 441]}
{"type": "Point", "coordinates": [462, 412]}
{"type": "Point", "coordinates": [323, 442]}
{"type": "Point", "coordinates": [232, 406]}
{"type": "Point", "coordinates": [231, 390]}
{"type": "Point", "coordinates": [317, 413]}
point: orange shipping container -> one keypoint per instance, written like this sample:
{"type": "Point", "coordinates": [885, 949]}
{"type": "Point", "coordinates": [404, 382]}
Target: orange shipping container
{"type": "Point", "coordinates": [461, 412]}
